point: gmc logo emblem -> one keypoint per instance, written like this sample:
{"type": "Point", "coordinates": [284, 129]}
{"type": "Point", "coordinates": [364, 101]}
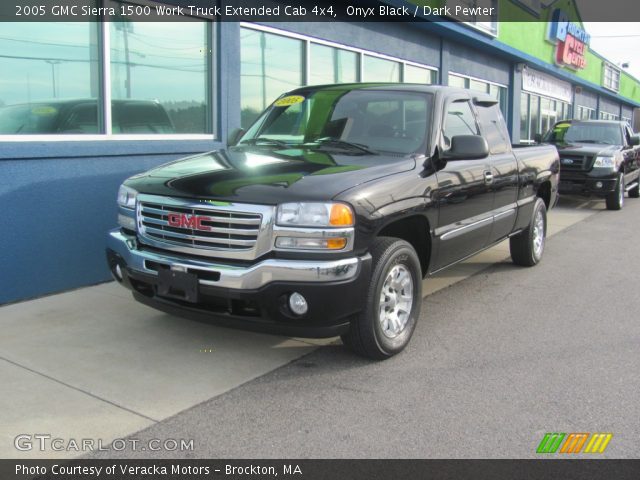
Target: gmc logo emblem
{"type": "Point", "coordinates": [194, 222]}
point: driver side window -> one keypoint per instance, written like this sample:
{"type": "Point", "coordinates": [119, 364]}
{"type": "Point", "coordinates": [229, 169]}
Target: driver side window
{"type": "Point", "coordinates": [459, 120]}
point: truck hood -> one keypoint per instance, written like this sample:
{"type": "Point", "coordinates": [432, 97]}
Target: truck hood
{"type": "Point", "coordinates": [590, 149]}
{"type": "Point", "coordinates": [265, 176]}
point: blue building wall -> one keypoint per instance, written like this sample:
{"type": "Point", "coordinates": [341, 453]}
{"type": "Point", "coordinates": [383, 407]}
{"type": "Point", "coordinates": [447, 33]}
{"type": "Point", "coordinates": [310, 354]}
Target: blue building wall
{"type": "Point", "coordinates": [59, 197]}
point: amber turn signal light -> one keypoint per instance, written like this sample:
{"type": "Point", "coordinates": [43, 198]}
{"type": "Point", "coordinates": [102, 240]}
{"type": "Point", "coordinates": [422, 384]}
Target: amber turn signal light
{"type": "Point", "coordinates": [341, 215]}
{"type": "Point", "coordinates": [336, 243]}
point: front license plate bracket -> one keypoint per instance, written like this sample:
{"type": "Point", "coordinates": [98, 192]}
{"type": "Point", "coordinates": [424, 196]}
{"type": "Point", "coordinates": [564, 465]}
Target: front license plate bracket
{"type": "Point", "coordinates": [178, 285]}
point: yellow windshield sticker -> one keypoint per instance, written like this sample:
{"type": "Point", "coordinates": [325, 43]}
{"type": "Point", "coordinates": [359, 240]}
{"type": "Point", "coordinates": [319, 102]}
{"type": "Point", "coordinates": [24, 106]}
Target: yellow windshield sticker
{"type": "Point", "coordinates": [44, 111]}
{"type": "Point", "coordinates": [288, 101]}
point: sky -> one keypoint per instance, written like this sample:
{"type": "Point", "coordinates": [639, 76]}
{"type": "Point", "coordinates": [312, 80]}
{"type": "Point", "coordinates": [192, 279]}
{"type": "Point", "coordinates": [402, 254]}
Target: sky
{"type": "Point", "coordinates": [618, 42]}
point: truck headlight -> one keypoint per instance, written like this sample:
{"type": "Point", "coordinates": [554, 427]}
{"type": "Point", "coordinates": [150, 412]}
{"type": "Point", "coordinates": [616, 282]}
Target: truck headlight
{"type": "Point", "coordinates": [127, 197]}
{"type": "Point", "coordinates": [311, 214]}
{"type": "Point", "coordinates": [606, 162]}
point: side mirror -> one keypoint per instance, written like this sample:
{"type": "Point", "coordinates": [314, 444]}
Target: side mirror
{"type": "Point", "coordinates": [635, 140]}
{"type": "Point", "coordinates": [467, 147]}
{"type": "Point", "coordinates": [234, 136]}
{"type": "Point", "coordinates": [537, 138]}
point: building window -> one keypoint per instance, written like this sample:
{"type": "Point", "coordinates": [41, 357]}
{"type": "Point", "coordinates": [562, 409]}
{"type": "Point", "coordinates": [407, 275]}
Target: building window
{"type": "Point", "coordinates": [50, 78]}
{"type": "Point", "coordinates": [538, 114]}
{"type": "Point", "coordinates": [269, 65]}
{"type": "Point", "coordinates": [332, 65]}
{"type": "Point", "coordinates": [159, 81]}
{"type": "Point", "coordinates": [585, 113]}
{"type": "Point", "coordinates": [415, 74]}
{"type": "Point", "coordinates": [457, 81]}
{"type": "Point", "coordinates": [499, 92]}
{"type": "Point", "coordinates": [485, 23]}
{"type": "Point", "coordinates": [608, 116]}
{"type": "Point", "coordinates": [524, 118]}
{"type": "Point", "coordinates": [60, 79]}
{"type": "Point", "coordinates": [274, 61]}
{"type": "Point", "coordinates": [611, 77]}
{"type": "Point", "coordinates": [380, 70]}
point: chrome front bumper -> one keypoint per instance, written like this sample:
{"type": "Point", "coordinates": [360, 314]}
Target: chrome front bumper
{"type": "Point", "coordinates": [232, 276]}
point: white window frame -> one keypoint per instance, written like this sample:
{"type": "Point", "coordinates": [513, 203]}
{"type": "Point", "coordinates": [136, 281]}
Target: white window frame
{"type": "Point", "coordinates": [614, 77]}
{"type": "Point", "coordinates": [462, 75]}
{"type": "Point", "coordinates": [360, 51]}
{"type": "Point", "coordinates": [104, 48]}
{"type": "Point", "coordinates": [581, 108]}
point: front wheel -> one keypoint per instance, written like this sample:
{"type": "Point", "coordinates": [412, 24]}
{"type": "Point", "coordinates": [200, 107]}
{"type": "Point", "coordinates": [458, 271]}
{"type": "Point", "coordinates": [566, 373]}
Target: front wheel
{"type": "Point", "coordinates": [393, 301]}
{"type": "Point", "coordinates": [635, 191]}
{"type": "Point", "coordinates": [615, 200]}
{"type": "Point", "coordinates": [527, 246]}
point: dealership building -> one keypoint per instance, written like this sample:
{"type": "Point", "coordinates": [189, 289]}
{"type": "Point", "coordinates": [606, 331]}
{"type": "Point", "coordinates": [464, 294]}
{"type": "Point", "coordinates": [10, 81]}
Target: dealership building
{"type": "Point", "coordinates": [84, 105]}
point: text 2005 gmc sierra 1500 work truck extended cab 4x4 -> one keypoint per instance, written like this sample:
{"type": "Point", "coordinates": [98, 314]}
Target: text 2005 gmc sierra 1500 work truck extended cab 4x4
{"type": "Point", "coordinates": [327, 213]}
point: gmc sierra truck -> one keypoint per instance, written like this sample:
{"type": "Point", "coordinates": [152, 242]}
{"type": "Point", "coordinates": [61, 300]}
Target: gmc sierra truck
{"type": "Point", "coordinates": [599, 158]}
{"type": "Point", "coordinates": [325, 216]}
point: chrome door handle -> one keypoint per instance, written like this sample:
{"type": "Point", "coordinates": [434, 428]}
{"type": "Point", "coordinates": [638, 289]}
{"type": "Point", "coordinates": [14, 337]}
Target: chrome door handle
{"type": "Point", "coordinates": [488, 177]}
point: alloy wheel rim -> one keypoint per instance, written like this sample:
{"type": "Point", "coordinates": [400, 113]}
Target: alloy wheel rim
{"type": "Point", "coordinates": [396, 301]}
{"type": "Point", "coordinates": [538, 234]}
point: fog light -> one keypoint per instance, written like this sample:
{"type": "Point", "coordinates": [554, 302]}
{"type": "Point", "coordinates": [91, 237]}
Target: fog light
{"type": "Point", "coordinates": [298, 304]}
{"type": "Point", "coordinates": [598, 184]}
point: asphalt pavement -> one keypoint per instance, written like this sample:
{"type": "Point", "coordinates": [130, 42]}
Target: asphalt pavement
{"type": "Point", "coordinates": [497, 360]}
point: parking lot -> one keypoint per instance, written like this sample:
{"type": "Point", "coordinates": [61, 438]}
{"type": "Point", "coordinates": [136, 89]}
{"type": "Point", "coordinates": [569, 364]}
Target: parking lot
{"type": "Point", "coordinates": [498, 359]}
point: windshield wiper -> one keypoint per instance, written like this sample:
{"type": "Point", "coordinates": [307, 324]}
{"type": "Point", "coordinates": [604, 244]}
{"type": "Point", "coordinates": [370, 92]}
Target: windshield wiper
{"type": "Point", "coordinates": [343, 143]}
{"type": "Point", "coordinates": [591, 141]}
{"type": "Point", "coordinates": [264, 141]}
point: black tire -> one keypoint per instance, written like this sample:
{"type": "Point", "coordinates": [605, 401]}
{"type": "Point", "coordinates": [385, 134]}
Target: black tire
{"type": "Point", "coordinates": [615, 200]}
{"type": "Point", "coordinates": [367, 336]}
{"type": "Point", "coordinates": [635, 191]}
{"type": "Point", "coordinates": [525, 250]}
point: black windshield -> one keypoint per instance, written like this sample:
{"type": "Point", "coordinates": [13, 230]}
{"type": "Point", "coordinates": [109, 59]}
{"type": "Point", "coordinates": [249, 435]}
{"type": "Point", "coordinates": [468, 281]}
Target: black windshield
{"type": "Point", "coordinates": [361, 121]}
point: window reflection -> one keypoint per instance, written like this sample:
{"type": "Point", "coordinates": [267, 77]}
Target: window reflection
{"type": "Point", "coordinates": [413, 74]}
{"type": "Point", "coordinates": [270, 64]}
{"type": "Point", "coordinates": [332, 65]}
{"type": "Point", "coordinates": [381, 70]}
{"type": "Point", "coordinates": [159, 81]}
{"type": "Point", "coordinates": [44, 65]}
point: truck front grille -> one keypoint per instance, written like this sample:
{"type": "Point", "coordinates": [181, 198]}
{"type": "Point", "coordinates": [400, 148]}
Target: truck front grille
{"type": "Point", "coordinates": [213, 229]}
{"type": "Point", "coordinates": [576, 162]}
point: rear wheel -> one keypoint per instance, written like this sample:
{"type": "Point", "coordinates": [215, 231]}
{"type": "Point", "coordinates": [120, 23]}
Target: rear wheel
{"type": "Point", "coordinates": [527, 246]}
{"type": "Point", "coordinates": [393, 302]}
{"type": "Point", "coordinates": [615, 200]}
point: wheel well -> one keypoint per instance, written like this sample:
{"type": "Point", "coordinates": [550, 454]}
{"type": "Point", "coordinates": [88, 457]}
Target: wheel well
{"type": "Point", "coordinates": [544, 192]}
{"type": "Point", "coordinates": [414, 230]}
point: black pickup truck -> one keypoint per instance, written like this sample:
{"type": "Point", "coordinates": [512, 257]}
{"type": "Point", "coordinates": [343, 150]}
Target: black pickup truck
{"type": "Point", "coordinates": [599, 158]}
{"type": "Point", "coordinates": [325, 216]}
